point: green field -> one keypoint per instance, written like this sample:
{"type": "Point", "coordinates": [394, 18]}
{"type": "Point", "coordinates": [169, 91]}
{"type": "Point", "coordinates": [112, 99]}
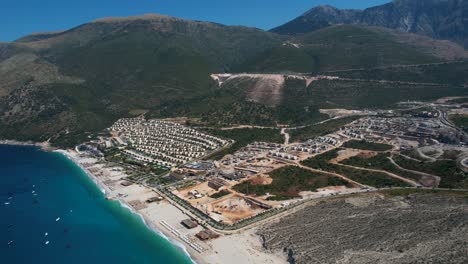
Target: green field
{"type": "Point", "coordinates": [413, 153]}
{"type": "Point", "coordinates": [288, 182]}
{"type": "Point", "coordinates": [365, 145]}
{"type": "Point", "coordinates": [451, 175]}
{"type": "Point", "coordinates": [460, 121]}
{"type": "Point", "coordinates": [380, 162]}
{"type": "Point", "coordinates": [374, 179]}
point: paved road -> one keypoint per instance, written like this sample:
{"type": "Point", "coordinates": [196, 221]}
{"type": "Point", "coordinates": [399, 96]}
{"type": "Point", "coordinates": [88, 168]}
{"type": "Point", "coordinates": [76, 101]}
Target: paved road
{"type": "Point", "coordinates": [396, 66]}
{"type": "Point", "coordinates": [295, 206]}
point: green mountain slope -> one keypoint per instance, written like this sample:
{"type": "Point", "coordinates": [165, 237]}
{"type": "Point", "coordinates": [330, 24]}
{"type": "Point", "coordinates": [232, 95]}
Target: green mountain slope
{"type": "Point", "coordinates": [68, 85]}
{"type": "Point", "coordinates": [345, 47]}
{"type": "Point", "coordinates": [453, 73]}
{"type": "Point", "coordinates": [359, 94]}
{"type": "Point", "coordinates": [106, 69]}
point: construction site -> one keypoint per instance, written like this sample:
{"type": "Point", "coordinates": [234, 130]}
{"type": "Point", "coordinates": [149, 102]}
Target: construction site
{"type": "Point", "coordinates": [227, 208]}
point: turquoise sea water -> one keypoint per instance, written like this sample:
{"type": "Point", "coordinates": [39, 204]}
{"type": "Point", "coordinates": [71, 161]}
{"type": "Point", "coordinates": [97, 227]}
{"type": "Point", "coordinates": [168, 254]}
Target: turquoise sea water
{"type": "Point", "coordinates": [43, 192]}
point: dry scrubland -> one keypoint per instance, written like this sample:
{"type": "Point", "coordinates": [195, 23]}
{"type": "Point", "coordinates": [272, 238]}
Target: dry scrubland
{"type": "Point", "coordinates": [375, 228]}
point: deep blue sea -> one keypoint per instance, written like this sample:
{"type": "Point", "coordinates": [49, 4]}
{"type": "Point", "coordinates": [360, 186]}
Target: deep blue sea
{"type": "Point", "coordinates": [46, 197]}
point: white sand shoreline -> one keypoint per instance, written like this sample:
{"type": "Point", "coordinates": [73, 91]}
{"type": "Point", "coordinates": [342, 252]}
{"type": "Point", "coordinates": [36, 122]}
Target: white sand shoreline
{"type": "Point", "coordinates": [101, 185]}
{"type": "Point", "coordinates": [44, 146]}
{"type": "Point", "coordinates": [156, 230]}
{"type": "Point", "coordinates": [244, 247]}
{"type": "Point", "coordinates": [105, 189]}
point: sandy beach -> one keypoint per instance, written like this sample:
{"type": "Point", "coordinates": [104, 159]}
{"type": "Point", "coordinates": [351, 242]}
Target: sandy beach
{"type": "Point", "coordinates": [165, 219]}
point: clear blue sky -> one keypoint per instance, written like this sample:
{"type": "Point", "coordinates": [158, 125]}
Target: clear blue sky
{"type": "Point", "coordinates": [22, 17]}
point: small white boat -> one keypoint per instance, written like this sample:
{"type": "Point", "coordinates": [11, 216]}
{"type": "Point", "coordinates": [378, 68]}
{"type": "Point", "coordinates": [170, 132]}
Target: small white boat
{"type": "Point", "coordinates": [33, 191]}
{"type": "Point", "coordinates": [47, 242]}
{"type": "Point", "coordinates": [7, 203]}
{"type": "Point", "coordinates": [46, 234]}
{"type": "Point", "coordinates": [58, 218]}
{"type": "Point", "coordinates": [11, 242]}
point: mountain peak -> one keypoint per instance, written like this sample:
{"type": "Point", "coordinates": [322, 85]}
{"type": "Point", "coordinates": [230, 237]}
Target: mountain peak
{"type": "Point", "coordinates": [131, 18]}
{"type": "Point", "coordinates": [325, 8]}
{"type": "Point", "coordinates": [440, 19]}
{"type": "Point", "coordinates": [322, 9]}
{"type": "Point", "coordinates": [316, 18]}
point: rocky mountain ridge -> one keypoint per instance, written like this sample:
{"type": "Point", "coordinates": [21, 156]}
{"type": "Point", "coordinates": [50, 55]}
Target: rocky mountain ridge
{"type": "Point", "coordinates": [440, 19]}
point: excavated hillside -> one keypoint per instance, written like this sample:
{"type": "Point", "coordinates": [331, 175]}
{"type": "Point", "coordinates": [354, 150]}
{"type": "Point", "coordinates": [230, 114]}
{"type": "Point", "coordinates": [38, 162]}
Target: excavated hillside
{"type": "Point", "coordinates": [66, 86]}
{"type": "Point", "coordinates": [266, 89]}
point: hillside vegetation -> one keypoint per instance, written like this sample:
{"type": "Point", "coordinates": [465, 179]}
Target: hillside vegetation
{"type": "Point", "coordinates": [369, 178]}
{"type": "Point", "coordinates": [151, 62]}
{"type": "Point", "coordinates": [455, 73]}
{"type": "Point", "coordinates": [359, 94]}
{"type": "Point", "coordinates": [67, 86]}
{"type": "Point", "coordinates": [339, 47]}
{"type": "Point", "coordinates": [288, 182]}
